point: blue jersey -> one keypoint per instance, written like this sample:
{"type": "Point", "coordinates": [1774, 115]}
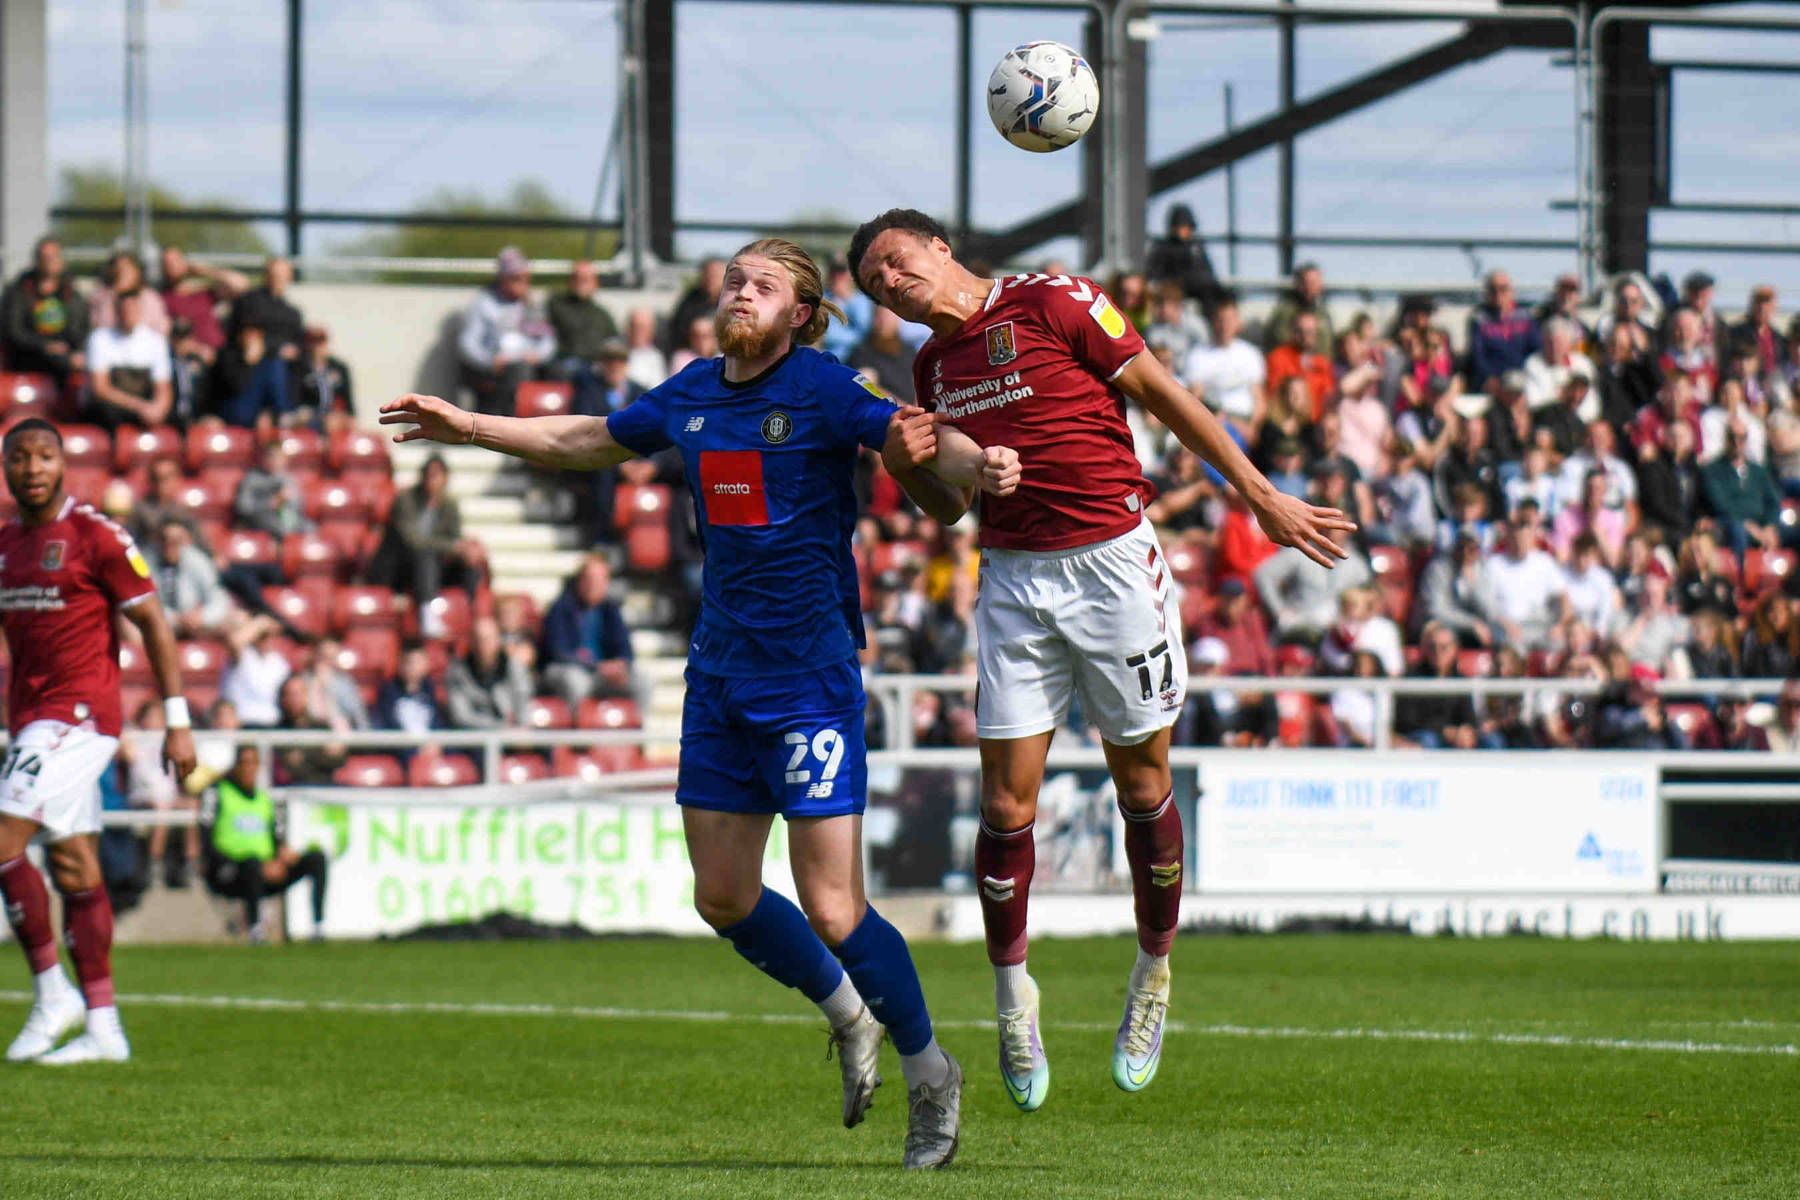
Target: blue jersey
{"type": "Point", "coordinates": [769, 462]}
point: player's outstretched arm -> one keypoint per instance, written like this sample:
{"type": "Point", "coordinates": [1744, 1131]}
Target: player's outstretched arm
{"type": "Point", "coordinates": [912, 444]}
{"type": "Point", "coordinates": [568, 442]}
{"type": "Point", "coordinates": [165, 662]}
{"type": "Point", "coordinates": [1288, 520]}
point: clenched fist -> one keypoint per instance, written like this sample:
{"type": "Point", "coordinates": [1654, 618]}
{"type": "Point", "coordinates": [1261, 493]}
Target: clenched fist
{"type": "Point", "coordinates": [1000, 470]}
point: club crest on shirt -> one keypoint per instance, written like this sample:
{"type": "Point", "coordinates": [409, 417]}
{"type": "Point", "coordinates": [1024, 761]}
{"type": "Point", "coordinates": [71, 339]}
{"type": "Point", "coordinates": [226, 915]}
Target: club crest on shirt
{"type": "Point", "coordinates": [777, 427]}
{"type": "Point", "coordinates": [1002, 349]}
{"type": "Point", "coordinates": [53, 555]}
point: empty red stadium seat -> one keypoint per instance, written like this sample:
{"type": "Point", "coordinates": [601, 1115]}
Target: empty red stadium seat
{"type": "Point", "coordinates": [647, 547]}
{"type": "Point", "coordinates": [1476, 663]}
{"type": "Point", "coordinates": [220, 446]}
{"type": "Point", "coordinates": [24, 390]}
{"type": "Point", "coordinates": [1195, 604]}
{"type": "Point", "coordinates": [134, 448]}
{"type": "Point", "coordinates": [307, 555]}
{"type": "Point", "coordinates": [87, 446]}
{"type": "Point", "coordinates": [595, 763]}
{"type": "Point", "coordinates": [305, 450]}
{"type": "Point", "coordinates": [548, 712]}
{"type": "Point", "coordinates": [354, 542]}
{"type": "Point", "coordinates": [201, 662]}
{"type": "Point", "coordinates": [303, 605]}
{"type": "Point", "coordinates": [207, 502]}
{"type": "Point", "coordinates": [613, 713]}
{"type": "Point", "coordinates": [370, 771]}
{"type": "Point", "coordinates": [1766, 570]}
{"type": "Point", "coordinates": [134, 665]}
{"type": "Point", "coordinates": [640, 504]}
{"type": "Point", "coordinates": [369, 655]}
{"type": "Point", "coordinates": [449, 614]}
{"type": "Point", "coordinates": [1388, 560]}
{"type": "Point", "coordinates": [543, 399]}
{"type": "Point", "coordinates": [87, 484]}
{"type": "Point", "coordinates": [381, 494]}
{"type": "Point", "coordinates": [364, 608]}
{"type": "Point", "coordinates": [338, 500]}
{"type": "Point", "coordinates": [222, 481]}
{"type": "Point", "coordinates": [445, 770]}
{"type": "Point", "coordinates": [1187, 566]}
{"type": "Point", "coordinates": [357, 451]}
{"type": "Point", "coordinates": [249, 546]}
{"type": "Point", "coordinates": [523, 768]}
{"type": "Point", "coordinates": [133, 696]}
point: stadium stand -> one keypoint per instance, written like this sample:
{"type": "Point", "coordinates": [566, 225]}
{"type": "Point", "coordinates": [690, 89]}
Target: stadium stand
{"type": "Point", "coordinates": [1396, 426]}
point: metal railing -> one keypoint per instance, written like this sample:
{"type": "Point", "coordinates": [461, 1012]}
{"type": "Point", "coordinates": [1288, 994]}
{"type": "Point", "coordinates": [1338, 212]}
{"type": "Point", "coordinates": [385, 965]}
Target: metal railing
{"type": "Point", "coordinates": [895, 693]}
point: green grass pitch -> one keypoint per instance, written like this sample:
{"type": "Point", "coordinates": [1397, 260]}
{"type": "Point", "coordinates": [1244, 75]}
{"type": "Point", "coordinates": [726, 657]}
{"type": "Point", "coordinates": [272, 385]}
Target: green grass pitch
{"type": "Point", "coordinates": [1302, 1067]}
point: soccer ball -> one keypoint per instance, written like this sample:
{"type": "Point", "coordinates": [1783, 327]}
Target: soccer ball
{"type": "Point", "coordinates": [1043, 96]}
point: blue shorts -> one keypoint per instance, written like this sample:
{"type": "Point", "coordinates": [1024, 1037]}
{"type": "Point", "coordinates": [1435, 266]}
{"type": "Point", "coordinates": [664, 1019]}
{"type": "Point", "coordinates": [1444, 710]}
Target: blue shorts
{"type": "Point", "coordinates": [788, 744]}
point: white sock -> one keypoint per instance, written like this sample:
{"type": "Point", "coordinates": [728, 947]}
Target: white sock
{"type": "Point", "coordinates": [843, 1005]}
{"type": "Point", "coordinates": [1012, 986]}
{"type": "Point", "coordinates": [929, 1066]}
{"type": "Point", "coordinates": [105, 1022]}
{"type": "Point", "coordinates": [1146, 963]}
{"type": "Point", "coordinates": [50, 983]}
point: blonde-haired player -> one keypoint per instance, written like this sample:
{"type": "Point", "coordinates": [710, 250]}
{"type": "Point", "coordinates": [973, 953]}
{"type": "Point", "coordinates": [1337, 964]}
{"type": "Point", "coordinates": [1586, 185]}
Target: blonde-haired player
{"type": "Point", "coordinates": [773, 720]}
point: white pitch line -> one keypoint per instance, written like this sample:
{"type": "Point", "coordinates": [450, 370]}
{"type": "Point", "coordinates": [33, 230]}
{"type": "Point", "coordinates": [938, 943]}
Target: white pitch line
{"type": "Point", "coordinates": [610, 1013]}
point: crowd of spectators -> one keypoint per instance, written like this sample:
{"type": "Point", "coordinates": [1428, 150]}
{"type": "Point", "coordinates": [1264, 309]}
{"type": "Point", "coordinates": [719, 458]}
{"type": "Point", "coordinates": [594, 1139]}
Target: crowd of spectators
{"type": "Point", "coordinates": [1598, 493]}
{"type": "Point", "coordinates": [1610, 496]}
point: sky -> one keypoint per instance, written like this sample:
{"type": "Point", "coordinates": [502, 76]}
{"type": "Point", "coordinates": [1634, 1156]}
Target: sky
{"type": "Point", "coordinates": [784, 110]}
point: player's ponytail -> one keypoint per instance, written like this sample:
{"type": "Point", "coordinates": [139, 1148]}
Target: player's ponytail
{"type": "Point", "coordinates": [809, 284]}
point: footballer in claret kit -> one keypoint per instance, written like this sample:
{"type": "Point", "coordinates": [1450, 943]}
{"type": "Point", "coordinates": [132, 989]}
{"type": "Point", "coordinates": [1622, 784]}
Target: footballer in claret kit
{"type": "Point", "coordinates": [66, 571]}
{"type": "Point", "coordinates": [1075, 597]}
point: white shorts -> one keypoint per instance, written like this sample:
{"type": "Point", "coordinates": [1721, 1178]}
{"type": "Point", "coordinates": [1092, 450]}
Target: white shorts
{"type": "Point", "coordinates": [51, 775]}
{"type": "Point", "coordinates": [1096, 621]}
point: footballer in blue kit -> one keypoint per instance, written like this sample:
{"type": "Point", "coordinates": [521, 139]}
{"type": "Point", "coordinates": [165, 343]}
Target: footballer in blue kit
{"type": "Point", "coordinates": [773, 719]}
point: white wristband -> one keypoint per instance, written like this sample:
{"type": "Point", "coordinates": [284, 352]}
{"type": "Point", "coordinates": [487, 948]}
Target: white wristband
{"type": "Point", "coordinates": [175, 713]}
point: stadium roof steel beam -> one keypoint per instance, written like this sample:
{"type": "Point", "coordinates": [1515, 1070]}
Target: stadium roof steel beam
{"type": "Point", "coordinates": [1469, 46]}
{"type": "Point", "coordinates": [1621, 238]}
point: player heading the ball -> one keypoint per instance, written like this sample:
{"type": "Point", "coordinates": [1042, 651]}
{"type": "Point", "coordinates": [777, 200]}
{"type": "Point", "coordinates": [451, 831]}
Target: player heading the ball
{"type": "Point", "coordinates": [1075, 594]}
{"type": "Point", "coordinates": [773, 720]}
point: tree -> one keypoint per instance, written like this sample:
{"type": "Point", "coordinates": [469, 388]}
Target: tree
{"type": "Point", "coordinates": [527, 198]}
{"type": "Point", "coordinates": [101, 187]}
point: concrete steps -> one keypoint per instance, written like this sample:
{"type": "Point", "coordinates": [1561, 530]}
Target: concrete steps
{"type": "Point", "coordinates": [523, 517]}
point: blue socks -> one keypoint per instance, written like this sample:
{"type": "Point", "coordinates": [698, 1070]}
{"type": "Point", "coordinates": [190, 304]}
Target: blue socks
{"type": "Point", "coordinates": [881, 967]}
{"type": "Point", "coordinates": [777, 941]}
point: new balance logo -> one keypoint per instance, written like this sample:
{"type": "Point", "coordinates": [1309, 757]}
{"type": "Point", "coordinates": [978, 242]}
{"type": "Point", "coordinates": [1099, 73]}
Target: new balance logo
{"type": "Point", "coordinates": [997, 890]}
{"type": "Point", "coordinates": [696, 424]}
{"type": "Point", "coordinates": [820, 791]}
{"type": "Point", "coordinates": [1165, 876]}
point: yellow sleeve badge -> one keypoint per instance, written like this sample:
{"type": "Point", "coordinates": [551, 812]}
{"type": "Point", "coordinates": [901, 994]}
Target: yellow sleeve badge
{"type": "Point", "coordinates": [873, 388]}
{"type": "Point", "coordinates": [137, 562]}
{"type": "Point", "coordinates": [1107, 317]}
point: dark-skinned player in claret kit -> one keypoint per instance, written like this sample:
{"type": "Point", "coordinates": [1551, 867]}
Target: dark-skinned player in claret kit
{"type": "Point", "coordinates": [1075, 595]}
{"type": "Point", "coordinates": [66, 573]}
